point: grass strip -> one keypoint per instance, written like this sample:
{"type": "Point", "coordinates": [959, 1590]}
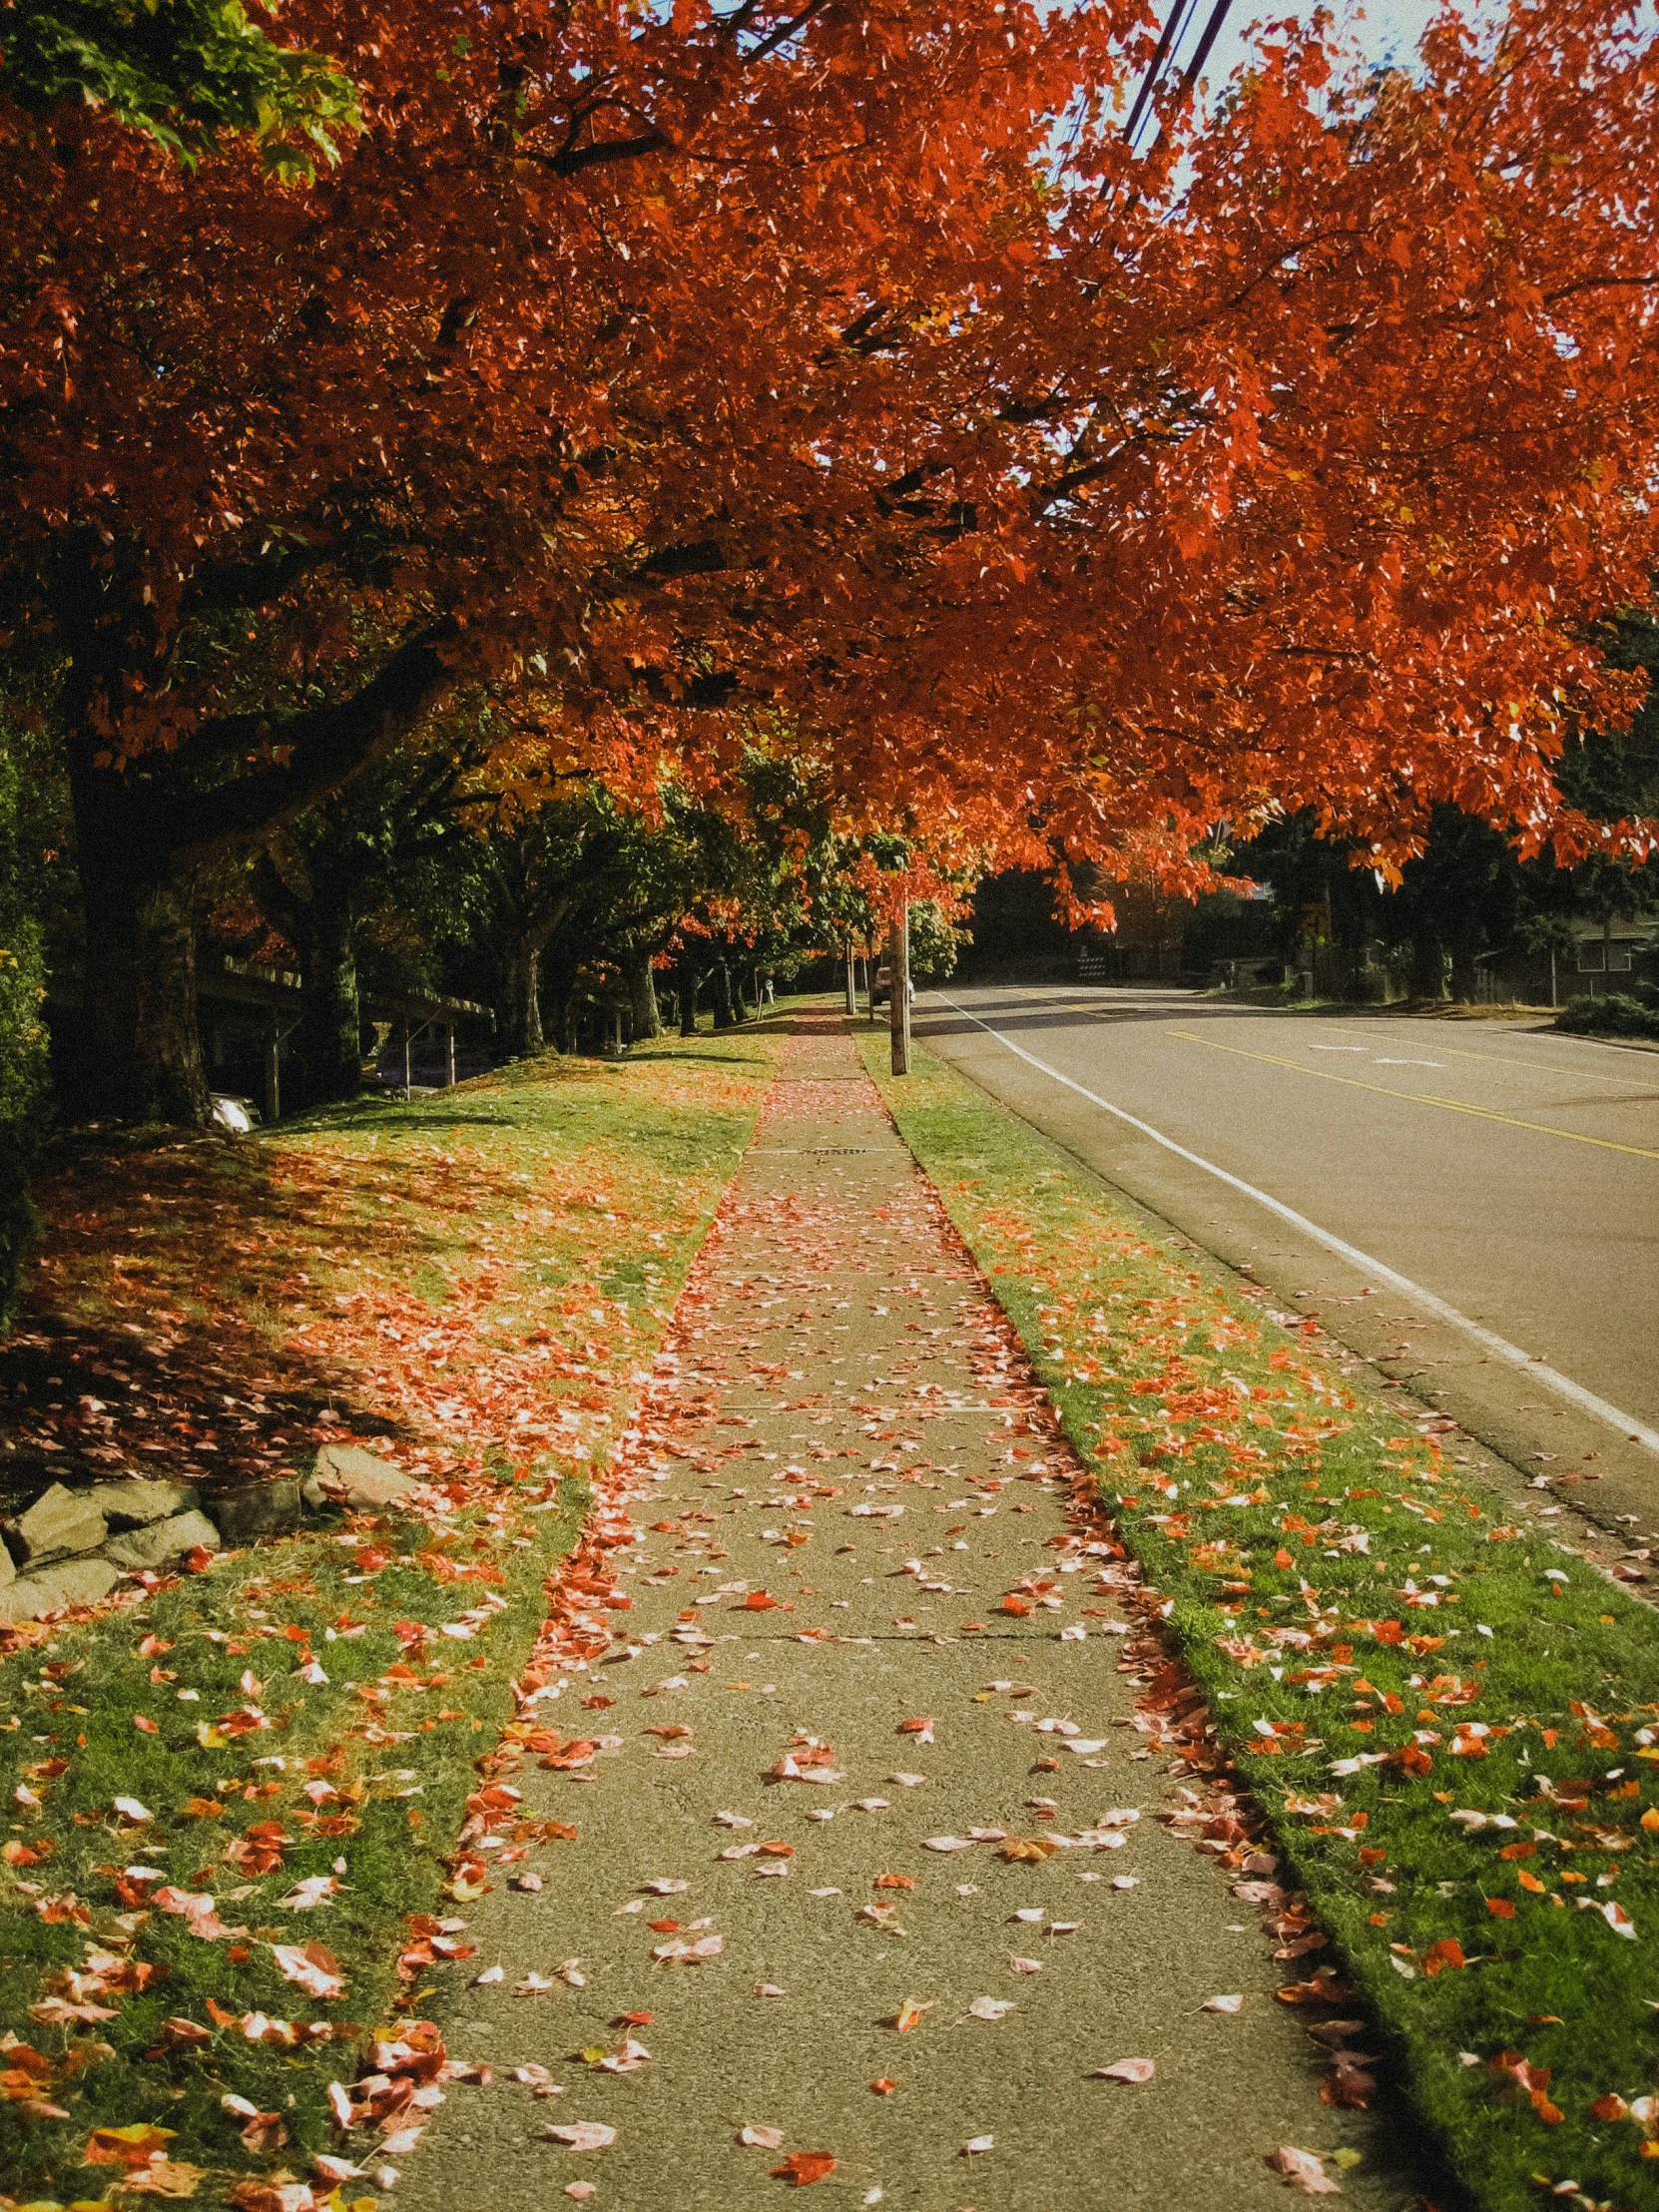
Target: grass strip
{"type": "Point", "coordinates": [1449, 1718]}
{"type": "Point", "coordinates": [277, 1752]}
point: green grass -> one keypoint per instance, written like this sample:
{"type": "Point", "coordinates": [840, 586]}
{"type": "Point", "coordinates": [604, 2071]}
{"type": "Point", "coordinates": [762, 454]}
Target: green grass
{"type": "Point", "coordinates": [403, 1802]}
{"type": "Point", "coordinates": [1180, 1395]}
{"type": "Point", "coordinates": [516, 1205]}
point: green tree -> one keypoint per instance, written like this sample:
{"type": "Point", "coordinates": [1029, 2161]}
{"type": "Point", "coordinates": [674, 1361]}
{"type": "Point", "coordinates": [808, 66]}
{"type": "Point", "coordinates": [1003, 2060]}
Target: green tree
{"type": "Point", "coordinates": [186, 73]}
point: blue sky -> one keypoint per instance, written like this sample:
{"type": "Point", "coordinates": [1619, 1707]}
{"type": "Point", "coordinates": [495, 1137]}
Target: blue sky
{"type": "Point", "coordinates": [1385, 28]}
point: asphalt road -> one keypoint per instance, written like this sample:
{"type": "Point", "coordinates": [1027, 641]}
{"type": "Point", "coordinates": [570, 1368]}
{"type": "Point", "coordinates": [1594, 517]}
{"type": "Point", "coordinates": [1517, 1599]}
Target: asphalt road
{"type": "Point", "coordinates": [1472, 1206]}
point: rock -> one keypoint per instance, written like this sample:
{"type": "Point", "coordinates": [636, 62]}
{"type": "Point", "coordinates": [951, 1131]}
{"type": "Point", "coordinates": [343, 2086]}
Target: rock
{"type": "Point", "coordinates": [256, 1509]}
{"type": "Point", "coordinates": [75, 1582]}
{"type": "Point", "coordinates": [346, 1474]}
{"type": "Point", "coordinates": [138, 1501]}
{"type": "Point", "coordinates": [8, 1570]}
{"type": "Point", "coordinates": [59, 1521]}
{"type": "Point", "coordinates": [164, 1540]}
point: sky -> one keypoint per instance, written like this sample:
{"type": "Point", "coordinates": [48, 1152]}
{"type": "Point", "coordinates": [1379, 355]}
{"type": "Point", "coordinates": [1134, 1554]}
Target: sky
{"type": "Point", "coordinates": [1386, 28]}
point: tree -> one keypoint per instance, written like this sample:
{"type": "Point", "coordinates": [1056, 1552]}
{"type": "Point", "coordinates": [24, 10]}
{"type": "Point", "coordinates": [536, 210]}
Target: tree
{"type": "Point", "coordinates": [23, 1069]}
{"type": "Point", "coordinates": [184, 72]}
{"type": "Point", "coordinates": [317, 879]}
{"type": "Point", "coordinates": [649, 373]}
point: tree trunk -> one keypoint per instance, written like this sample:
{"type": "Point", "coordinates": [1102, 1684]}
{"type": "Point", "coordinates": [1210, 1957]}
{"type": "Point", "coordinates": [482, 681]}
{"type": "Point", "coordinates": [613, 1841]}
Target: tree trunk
{"type": "Point", "coordinates": [686, 977]}
{"type": "Point", "coordinates": [1464, 974]}
{"type": "Point", "coordinates": [141, 992]}
{"type": "Point", "coordinates": [1427, 967]}
{"type": "Point", "coordinates": [899, 1002]}
{"type": "Point", "coordinates": [642, 995]}
{"type": "Point", "coordinates": [725, 1018]}
{"type": "Point", "coordinates": [521, 1014]}
{"type": "Point", "coordinates": [330, 1027]}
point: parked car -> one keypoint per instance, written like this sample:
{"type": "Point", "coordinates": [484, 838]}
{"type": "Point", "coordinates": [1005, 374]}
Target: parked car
{"type": "Point", "coordinates": [880, 991]}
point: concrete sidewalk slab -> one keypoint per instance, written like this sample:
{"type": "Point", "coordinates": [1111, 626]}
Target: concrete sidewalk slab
{"type": "Point", "coordinates": [841, 1423]}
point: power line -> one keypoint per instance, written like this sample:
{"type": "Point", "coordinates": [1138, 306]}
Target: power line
{"type": "Point", "coordinates": [1180, 16]}
{"type": "Point", "coordinates": [1179, 10]}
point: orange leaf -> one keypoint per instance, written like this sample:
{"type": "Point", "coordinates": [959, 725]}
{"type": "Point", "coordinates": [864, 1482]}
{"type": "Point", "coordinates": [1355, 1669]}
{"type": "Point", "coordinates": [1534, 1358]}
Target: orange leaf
{"type": "Point", "coordinates": [125, 2146]}
{"type": "Point", "coordinates": [805, 2167]}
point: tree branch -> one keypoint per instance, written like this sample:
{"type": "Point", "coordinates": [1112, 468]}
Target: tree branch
{"type": "Point", "coordinates": [326, 748]}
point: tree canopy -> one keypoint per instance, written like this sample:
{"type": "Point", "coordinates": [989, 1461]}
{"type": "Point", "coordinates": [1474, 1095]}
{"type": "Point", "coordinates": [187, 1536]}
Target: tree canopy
{"type": "Point", "coordinates": [646, 374]}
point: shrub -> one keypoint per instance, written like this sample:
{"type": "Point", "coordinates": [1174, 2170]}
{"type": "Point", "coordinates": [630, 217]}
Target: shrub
{"type": "Point", "coordinates": [1619, 1014]}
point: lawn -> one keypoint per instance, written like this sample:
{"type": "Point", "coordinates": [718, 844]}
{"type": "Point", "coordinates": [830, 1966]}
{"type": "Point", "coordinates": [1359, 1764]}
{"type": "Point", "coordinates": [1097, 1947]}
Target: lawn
{"type": "Point", "coordinates": [235, 1796]}
{"type": "Point", "coordinates": [1449, 1717]}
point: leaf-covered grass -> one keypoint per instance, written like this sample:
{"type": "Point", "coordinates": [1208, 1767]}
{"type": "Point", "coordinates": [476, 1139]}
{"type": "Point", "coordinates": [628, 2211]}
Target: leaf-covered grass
{"type": "Point", "coordinates": [1344, 1594]}
{"type": "Point", "coordinates": [385, 1809]}
{"type": "Point", "coordinates": [475, 1280]}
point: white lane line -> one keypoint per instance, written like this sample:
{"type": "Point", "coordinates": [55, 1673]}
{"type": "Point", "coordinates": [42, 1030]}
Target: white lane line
{"type": "Point", "coordinates": [1499, 1347]}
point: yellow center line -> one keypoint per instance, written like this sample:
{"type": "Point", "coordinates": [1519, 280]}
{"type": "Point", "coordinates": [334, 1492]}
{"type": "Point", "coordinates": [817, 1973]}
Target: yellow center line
{"type": "Point", "coordinates": [1502, 1059]}
{"type": "Point", "coordinates": [1417, 1098]}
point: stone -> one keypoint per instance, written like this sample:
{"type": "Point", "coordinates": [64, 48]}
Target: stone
{"type": "Point", "coordinates": [75, 1582]}
{"type": "Point", "coordinates": [59, 1521]}
{"type": "Point", "coordinates": [256, 1509]}
{"type": "Point", "coordinates": [346, 1474]}
{"type": "Point", "coordinates": [136, 1502]}
{"type": "Point", "coordinates": [164, 1540]}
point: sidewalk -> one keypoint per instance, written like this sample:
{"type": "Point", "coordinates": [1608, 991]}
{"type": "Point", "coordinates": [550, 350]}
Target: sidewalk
{"type": "Point", "coordinates": [842, 1463]}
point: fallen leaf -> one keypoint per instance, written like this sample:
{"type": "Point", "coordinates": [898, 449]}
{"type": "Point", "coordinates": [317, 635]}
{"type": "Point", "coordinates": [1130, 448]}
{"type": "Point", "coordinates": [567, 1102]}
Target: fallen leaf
{"type": "Point", "coordinates": [762, 2138]}
{"type": "Point", "coordinates": [1125, 2069]}
{"type": "Point", "coordinates": [990, 2008]}
{"type": "Point", "coordinates": [976, 2145]}
{"type": "Point", "coordinates": [1300, 2169]}
{"type": "Point", "coordinates": [125, 2146]}
{"type": "Point", "coordinates": [310, 1893]}
{"type": "Point", "coordinates": [312, 1966]}
{"type": "Point", "coordinates": [580, 2134]}
{"type": "Point", "coordinates": [805, 2167]}
{"type": "Point", "coordinates": [1222, 2005]}
{"type": "Point", "coordinates": [165, 2177]}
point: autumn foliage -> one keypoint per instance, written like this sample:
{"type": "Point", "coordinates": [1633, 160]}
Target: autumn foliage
{"type": "Point", "coordinates": [655, 375]}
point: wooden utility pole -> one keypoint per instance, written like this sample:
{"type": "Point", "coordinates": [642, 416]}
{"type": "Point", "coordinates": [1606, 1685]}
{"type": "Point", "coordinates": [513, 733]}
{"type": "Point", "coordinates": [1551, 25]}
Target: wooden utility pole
{"type": "Point", "coordinates": [899, 1001]}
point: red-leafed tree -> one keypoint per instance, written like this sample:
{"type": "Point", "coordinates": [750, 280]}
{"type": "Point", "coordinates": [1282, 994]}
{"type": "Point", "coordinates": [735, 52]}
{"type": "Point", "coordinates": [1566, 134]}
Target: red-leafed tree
{"type": "Point", "coordinates": [645, 371]}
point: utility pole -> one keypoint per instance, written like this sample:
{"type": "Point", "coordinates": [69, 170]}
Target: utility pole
{"type": "Point", "coordinates": [852, 980]}
{"type": "Point", "coordinates": [898, 974]}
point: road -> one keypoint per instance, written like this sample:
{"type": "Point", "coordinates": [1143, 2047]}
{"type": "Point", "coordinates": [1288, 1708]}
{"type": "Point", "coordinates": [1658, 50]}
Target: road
{"type": "Point", "coordinates": [1472, 1206]}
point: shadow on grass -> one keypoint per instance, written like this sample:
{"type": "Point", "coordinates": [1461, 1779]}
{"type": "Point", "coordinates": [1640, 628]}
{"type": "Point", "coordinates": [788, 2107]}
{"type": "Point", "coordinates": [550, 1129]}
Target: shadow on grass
{"type": "Point", "coordinates": [150, 1341]}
